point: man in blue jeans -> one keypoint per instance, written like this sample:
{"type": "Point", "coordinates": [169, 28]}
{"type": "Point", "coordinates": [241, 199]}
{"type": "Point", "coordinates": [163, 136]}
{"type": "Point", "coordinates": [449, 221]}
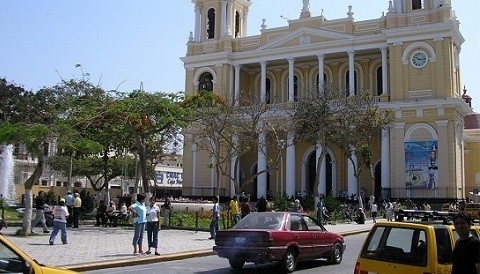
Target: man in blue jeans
{"type": "Point", "coordinates": [215, 217]}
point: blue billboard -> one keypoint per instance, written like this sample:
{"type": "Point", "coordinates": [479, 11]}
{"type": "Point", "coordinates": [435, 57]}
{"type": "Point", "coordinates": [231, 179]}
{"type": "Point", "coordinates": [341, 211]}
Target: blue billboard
{"type": "Point", "coordinates": [421, 164]}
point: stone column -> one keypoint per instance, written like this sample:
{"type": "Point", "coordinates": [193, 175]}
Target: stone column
{"type": "Point", "coordinates": [262, 164]}
{"type": "Point", "coordinates": [243, 31]}
{"type": "Point", "coordinates": [385, 159]}
{"type": "Point", "coordinates": [263, 82]}
{"type": "Point", "coordinates": [334, 179]}
{"type": "Point", "coordinates": [233, 166]}
{"type": "Point", "coordinates": [443, 155]}
{"type": "Point", "coordinates": [223, 20]}
{"type": "Point", "coordinates": [321, 84]}
{"type": "Point", "coordinates": [322, 177]}
{"type": "Point", "coordinates": [351, 72]}
{"type": "Point", "coordinates": [352, 181]}
{"type": "Point", "coordinates": [194, 167]}
{"type": "Point", "coordinates": [291, 91]}
{"type": "Point", "coordinates": [236, 98]}
{"type": "Point", "coordinates": [198, 22]}
{"type": "Point", "coordinates": [384, 71]}
{"type": "Point", "coordinates": [229, 27]}
{"type": "Point", "coordinates": [290, 165]}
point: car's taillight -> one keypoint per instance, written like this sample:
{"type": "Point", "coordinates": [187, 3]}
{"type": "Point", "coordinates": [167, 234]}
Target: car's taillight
{"type": "Point", "coordinates": [357, 268]}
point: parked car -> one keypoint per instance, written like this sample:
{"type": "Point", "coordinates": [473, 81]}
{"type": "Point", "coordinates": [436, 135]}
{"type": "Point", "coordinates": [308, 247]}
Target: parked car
{"type": "Point", "coordinates": [284, 237]}
{"type": "Point", "coordinates": [14, 260]}
{"type": "Point", "coordinates": [420, 242]}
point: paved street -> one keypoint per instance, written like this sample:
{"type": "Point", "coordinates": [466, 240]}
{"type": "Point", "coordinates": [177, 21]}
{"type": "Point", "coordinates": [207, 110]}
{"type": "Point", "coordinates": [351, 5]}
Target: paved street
{"type": "Point", "coordinates": [90, 245]}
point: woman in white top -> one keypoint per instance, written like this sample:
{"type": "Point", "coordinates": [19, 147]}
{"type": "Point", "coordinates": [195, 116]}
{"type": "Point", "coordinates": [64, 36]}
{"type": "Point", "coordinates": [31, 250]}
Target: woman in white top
{"type": "Point", "coordinates": [153, 225]}
{"type": "Point", "coordinates": [60, 214]}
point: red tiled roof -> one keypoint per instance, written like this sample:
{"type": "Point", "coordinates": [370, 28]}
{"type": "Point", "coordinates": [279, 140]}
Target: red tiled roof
{"type": "Point", "coordinates": [472, 121]}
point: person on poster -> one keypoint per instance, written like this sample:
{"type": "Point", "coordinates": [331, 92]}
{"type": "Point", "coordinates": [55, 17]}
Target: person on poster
{"type": "Point", "coordinates": [432, 170]}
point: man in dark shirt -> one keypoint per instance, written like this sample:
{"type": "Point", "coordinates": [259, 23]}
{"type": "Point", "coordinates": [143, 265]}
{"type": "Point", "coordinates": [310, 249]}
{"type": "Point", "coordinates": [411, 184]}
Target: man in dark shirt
{"type": "Point", "coordinates": [466, 255]}
{"type": "Point", "coordinates": [40, 215]}
{"type": "Point", "coordinates": [101, 215]}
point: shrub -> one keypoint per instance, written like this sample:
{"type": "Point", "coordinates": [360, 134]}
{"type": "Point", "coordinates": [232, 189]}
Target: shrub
{"type": "Point", "coordinates": [281, 202]}
{"type": "Point", "coordinates": [308, 202]}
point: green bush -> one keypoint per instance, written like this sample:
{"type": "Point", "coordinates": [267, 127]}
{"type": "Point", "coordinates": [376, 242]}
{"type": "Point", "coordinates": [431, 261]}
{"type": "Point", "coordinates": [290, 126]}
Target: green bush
{"type": "Point", "coordinates": [281, 202]}
{"type": "Point", "coordinates": [334, 207]}
{"type": "Point", "coordinates": [189, 220]}
{"type": "Point", "coordinates": [308, 202]}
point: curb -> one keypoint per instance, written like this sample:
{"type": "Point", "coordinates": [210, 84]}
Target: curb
{"type": "Point", "coordinates": [163, 258]}
{"type": "Point", "coordinates": [140, 260]}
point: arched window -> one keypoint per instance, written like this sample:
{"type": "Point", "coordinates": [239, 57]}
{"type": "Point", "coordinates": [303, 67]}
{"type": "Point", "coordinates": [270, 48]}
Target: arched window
{"type": "Point", "coordinates": [317, 82]}
{"type": "Point", "coordinates": [295, 88]}
{"type": "Point", "coordinates": [236, 29]}
{"type": "Point", "coordinates": [417, 4]}
{"type": "Point", "coordinates": [211, 23]}
{"type": "Point", "coordinates": [347, 81]}
{"type": "Point", "coordinates": [267, 91]}
{"type": "Point", "coordinates": [205, 82]}
{"type": "Point", "coordinates": [379, 81]}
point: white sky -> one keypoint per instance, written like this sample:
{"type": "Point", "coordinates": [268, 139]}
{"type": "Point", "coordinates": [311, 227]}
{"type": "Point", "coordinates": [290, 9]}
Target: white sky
{"type": "Point", "coordinates": [123, 43]}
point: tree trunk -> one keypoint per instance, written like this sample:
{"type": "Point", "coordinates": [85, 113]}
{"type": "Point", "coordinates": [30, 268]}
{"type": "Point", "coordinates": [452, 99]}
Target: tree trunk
{"type": "Point", "coordinates": [105, 174]}
{"type": "Point", "coordinates": [69, 178]}
{"type": "Point", "coordinates": [27, 215]}
{"type": "Point", "coordinates": [143, 166]}
{"type": "Point", "coordinates": [37, 173]}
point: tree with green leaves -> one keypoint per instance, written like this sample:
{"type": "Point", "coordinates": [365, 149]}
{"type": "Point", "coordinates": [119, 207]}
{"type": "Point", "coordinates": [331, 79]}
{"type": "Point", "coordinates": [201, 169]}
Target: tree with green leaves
{"type": "Point", "coordinates": [361, 121]}
{"type": "Point", "coordinates": [314, 119]}
{"type": "Point", "coordinates": [152, 123]}
{"type": "Point", "coordinates": [32, 120]}
{"type": "Point", "coordinates": [224, 131]}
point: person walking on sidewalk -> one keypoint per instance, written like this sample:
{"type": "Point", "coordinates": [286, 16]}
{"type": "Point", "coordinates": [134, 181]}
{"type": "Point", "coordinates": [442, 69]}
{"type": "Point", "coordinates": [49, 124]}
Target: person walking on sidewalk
{"type": "Point", "coordinates": [215, 217]}
{"type": "Point", "coordinates": [139, 212]}
{"type": "Point", "coordinates": [374, 211]}
{"type": "Point", "coordinates": [153, 225]}
{"type": "Point", "coordinates": [40, 215]}
{"type": "Point", "coordinates": [60, 214]}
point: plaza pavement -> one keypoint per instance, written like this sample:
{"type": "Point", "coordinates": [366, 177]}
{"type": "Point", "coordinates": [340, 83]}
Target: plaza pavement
{"type": "Point", "coordinates": [90, 247]}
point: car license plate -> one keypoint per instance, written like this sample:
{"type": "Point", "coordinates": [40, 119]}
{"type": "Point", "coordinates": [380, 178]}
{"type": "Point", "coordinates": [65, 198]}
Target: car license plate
{"type": "Point", "coordinates": [240, 240]}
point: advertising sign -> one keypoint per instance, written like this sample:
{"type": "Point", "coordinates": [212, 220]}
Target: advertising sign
{"type": "Point", "coordinates": [421, 164]}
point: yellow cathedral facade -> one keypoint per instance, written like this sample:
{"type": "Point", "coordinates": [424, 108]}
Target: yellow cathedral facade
{"type": "Point", "coordinates": [408, 58]}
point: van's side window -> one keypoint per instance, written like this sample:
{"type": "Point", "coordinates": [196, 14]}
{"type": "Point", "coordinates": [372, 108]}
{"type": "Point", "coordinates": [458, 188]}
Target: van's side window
{"type": "Point", "coordinates": [444, 246]}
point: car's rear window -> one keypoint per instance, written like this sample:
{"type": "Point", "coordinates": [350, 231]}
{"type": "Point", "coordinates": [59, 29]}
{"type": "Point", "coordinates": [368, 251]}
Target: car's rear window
{"type": "Point", "coordinates": [261, 221]}
{"type": "Point", "coordinates": [397, 245]}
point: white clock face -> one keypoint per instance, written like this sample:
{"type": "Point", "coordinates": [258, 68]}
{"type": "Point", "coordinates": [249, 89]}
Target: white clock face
{"type": "Point", "coordinates": [419, 59]}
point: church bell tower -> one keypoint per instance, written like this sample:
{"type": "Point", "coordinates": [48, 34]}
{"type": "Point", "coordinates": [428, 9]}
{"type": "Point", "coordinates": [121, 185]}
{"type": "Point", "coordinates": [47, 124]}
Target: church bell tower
{"type": "Point", "coordinates": [216, 19]}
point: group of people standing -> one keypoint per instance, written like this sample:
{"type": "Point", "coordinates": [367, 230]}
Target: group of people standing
{"type": "Point", "coordinates": [145, 218]}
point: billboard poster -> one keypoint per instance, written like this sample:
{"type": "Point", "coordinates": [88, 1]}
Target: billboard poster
{"type": "Point", "coordinates": [421, 164]}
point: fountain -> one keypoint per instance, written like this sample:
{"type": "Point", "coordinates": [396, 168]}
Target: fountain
{"type": "Point", "coordinates": [7, 186]}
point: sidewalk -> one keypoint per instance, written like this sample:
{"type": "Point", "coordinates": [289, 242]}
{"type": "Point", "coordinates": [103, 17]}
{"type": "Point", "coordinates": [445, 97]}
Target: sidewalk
{"type": "Point", "coordinates": [90, 247]}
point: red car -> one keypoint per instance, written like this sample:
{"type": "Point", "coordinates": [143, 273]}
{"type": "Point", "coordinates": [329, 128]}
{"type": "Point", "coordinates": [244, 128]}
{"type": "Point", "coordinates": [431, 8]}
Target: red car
{"type": "Point", "coordinates": [286, 237]}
